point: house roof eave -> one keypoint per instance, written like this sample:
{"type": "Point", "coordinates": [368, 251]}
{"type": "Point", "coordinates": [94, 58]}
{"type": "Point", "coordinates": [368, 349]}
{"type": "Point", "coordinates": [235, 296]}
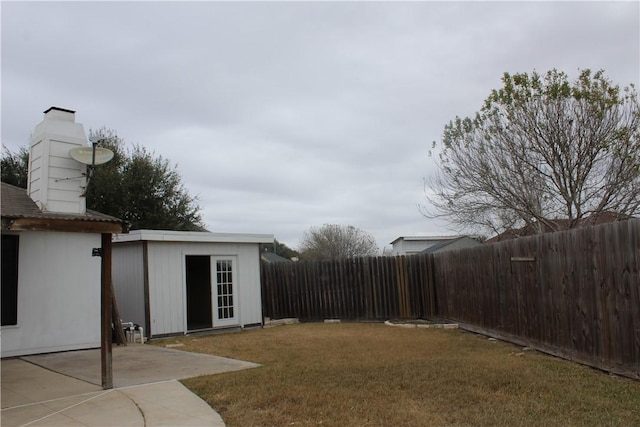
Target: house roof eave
{"type": "Point", "coordinates": [65, 225]}
{"type": "Point", "coordinates": [21, 213]}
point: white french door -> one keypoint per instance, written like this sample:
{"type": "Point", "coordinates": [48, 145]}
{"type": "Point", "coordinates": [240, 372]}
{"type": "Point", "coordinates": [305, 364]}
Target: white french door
{"type": "Point", "coordinates": [225, 304]}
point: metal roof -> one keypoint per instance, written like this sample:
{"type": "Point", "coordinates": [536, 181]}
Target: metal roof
{"type": "Point", "coordinates": [15, 203]}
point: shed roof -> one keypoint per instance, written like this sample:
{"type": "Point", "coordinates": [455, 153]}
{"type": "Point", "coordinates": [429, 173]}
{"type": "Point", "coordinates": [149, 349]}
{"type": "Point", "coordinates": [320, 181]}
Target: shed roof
{"type": "Point", "coordinates": [192, 236]}
{"type": "Point", "coordinates": [20, 212]}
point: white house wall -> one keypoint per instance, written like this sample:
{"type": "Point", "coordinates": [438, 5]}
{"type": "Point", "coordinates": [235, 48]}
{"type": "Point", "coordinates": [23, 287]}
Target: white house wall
{"type": "Point", "coordinates": [58, 294]}
{"type": "Point", "coordinates": [128, 281]}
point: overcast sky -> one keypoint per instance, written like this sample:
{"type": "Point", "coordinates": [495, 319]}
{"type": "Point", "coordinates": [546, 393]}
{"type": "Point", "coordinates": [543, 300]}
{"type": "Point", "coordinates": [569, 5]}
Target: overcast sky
{"type": "Point", "coordinates": [282, 116]}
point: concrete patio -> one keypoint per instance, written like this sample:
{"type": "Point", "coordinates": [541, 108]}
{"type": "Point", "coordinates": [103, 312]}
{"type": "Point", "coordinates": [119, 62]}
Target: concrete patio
{"type": "Point", "coordinates": [63, 389]}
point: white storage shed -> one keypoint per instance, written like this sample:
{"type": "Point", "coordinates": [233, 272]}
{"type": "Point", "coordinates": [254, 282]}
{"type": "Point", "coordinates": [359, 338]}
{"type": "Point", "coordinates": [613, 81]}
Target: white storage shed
{"type": "Point", "coordinates": [176, 282]}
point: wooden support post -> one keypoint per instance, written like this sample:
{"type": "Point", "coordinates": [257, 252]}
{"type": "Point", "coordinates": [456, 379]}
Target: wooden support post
{"type": "Point", "coordinates": [105, 315]}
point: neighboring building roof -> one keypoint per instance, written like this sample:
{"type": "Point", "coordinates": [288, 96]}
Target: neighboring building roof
{"type": "Point", "coordinates": [409, 245]}
{"type": "Point", "coordinates": [192, 236]}
{"type": "Point", "coordinates": [20, 212]}
{"type": "Point", "coordinates": [426, 238]}
{"type": "Point", "coordinates": [559, 225]}
{"type": "Point", "coordinates": [439, 246]}
{"type": "Point", "coordinates": [457, 243]}
{"type": "Point", "coordinates": [271, 258]}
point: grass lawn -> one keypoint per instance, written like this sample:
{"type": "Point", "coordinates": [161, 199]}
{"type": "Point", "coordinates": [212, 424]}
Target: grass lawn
{"type": "Point", "coordinates": [375, 375]}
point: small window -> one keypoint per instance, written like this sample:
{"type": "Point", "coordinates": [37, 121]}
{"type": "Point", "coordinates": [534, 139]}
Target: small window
{"type": "Point", "coordinates": [9, 279]}
{"type": "Point", "coordinates": [224, 285]}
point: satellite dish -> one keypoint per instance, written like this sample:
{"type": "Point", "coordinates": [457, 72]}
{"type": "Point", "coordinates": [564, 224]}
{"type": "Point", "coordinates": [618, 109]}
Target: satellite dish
{"type": "Point", "coordinates": [91, 155]}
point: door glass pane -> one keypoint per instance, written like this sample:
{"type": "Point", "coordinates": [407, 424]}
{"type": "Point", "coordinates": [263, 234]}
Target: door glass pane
{"type": "Point", "coordinates": [225, 289]}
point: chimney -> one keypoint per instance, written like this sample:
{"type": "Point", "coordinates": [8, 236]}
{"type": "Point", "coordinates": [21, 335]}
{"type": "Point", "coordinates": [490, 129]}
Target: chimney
{"type": "Point", "coordinates": [55, 180]}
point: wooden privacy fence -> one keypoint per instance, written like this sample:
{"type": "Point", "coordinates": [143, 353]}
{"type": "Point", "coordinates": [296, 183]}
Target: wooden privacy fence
{"type": "Point", "coordinates": [378, 288]}
{"type": "Point", "coordinates": [575, 294]}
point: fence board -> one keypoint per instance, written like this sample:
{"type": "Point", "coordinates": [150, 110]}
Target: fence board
{"type": "Point", "coordinates": [377, 288]}
{"type": "Point", "coordinates": [579, 297]}
{"type": "Point", "coordinates": [575, 294]}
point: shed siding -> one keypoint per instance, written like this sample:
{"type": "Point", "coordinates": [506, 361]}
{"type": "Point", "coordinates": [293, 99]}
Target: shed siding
{"type": "Point", "coordinates": [58, 294]}
{"type": "Point", "coordinates": [247, 274]}
{"type": "Point", "coordinates": [166, 296]}
{"type": "Point", "coordinates": [128, 281]}
{"type": "Point", "coordinates": [166, 301]}
{"type": "Point", "coordinates": [167, 291]}
{"type": "Point", "coordinates": [251, 296]}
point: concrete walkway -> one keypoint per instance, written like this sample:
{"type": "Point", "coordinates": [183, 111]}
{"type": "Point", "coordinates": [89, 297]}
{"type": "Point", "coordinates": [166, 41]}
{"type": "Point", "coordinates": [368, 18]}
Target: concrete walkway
{"type": "Point", "coordinates": [63, 389]}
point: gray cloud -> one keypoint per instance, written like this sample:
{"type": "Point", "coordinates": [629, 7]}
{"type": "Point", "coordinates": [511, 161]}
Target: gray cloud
{"type": "Point", "coordinates": [281, 116]}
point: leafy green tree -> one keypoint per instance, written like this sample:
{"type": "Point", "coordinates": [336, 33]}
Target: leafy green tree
{"type": "Point", "coordinates": [137, 186]}
{"type": "Point", "coordinates": [541, 148]}
{"type": "Point", "coordinates": [105, 188]}
{"type": "Point", "coordinates": [332, 241]}
{"type": "Point", "coordinates": [14, 166]}
{"type": "Point", "coordinates": [141, 188]}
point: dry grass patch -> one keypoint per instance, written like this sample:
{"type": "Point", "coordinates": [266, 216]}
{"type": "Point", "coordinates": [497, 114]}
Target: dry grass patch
{"type": "Point", "coordinates": [371, 374]}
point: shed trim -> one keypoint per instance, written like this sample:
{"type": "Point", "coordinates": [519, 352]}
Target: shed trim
{"type": "Point", "coordinates": [192, 236]}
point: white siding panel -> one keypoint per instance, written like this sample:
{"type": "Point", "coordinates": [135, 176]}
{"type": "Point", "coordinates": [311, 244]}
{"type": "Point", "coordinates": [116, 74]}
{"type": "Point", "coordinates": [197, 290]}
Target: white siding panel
{"type": "Point", "coordinates": [58, 294]}
{"type": "Point", "coordinates": [128, 281]}
{"type": "Point", "coordinates": [247, 274]}
{"type": "Point", "coordinates": [167, 282]}
{"type": "Point", "coordinates": [250, 286]}
{"type": "Point", "coordinates": [166, 296]}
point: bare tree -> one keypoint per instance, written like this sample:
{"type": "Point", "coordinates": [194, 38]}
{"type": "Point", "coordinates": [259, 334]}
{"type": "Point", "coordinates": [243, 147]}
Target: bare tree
{"type": "Point", "coordinates": [331, 242]}
{"type": "Point", "coordinates": [541, 149]}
